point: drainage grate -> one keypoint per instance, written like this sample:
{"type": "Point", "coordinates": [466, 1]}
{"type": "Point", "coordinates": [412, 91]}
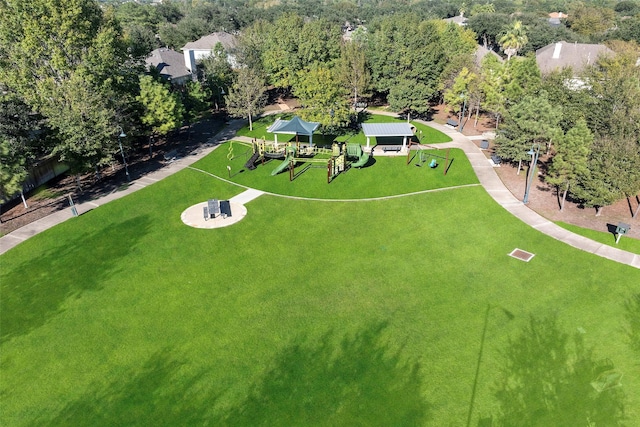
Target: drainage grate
{"type": "Point", "coordinates": [521, 255]}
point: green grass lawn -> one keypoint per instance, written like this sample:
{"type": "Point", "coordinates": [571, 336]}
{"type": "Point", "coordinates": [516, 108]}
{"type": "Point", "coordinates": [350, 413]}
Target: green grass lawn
{"type": "Point", "coordinates": [306, 312]}
{"type": "Point", "coordinates": [625, 243]}
{"type": "Point", "coordinates": [383, 176]}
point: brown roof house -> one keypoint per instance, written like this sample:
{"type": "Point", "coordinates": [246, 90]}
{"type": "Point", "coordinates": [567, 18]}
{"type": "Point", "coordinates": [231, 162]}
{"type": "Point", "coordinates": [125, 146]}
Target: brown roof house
{"type": "Point", "coordinates": [170, 65]}
{"type": "Point", "coordinates": [578, 56]}
{"type": "Point", "coordinates": [201, 48]}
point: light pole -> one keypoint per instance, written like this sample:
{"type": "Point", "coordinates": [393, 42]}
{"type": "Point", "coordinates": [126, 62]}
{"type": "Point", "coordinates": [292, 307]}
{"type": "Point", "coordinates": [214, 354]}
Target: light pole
{"type": "Point", "coordinates": [464, 107]}
{"type": "Point", "coordinates": [123, 135]}
{"type": "Point", "coordinates": [532, 170]}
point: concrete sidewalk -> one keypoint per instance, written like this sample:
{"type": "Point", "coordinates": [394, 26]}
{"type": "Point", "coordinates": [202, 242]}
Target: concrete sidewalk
{"type": "Point", "coordinates": [482, 166]}
{"type": "Point", "coordinates": [20, 235]}
{"type": "Point", "coordinates": [493, 185]}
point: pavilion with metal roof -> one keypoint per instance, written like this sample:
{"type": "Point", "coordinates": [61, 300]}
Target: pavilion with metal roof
{"type": "Point", "coordinates": [387, 130]}
{"type": "Point", "coordinates": [295, 126]}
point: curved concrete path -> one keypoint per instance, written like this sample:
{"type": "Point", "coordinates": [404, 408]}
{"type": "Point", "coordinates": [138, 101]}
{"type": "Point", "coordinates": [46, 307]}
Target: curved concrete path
{"type": "Point", "coordinates": [481, 165]}
{"type": "Point", "coordinates": [491, 182]}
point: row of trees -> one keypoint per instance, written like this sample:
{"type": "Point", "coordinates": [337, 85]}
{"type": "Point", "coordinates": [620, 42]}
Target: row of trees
{"type": "Point", "coordinates": [72, 71]}
{"type": "Point", "coordinates": [588, 124]}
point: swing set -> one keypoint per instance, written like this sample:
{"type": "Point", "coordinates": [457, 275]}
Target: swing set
{"type": "Point", "coordinates": [423, 155]}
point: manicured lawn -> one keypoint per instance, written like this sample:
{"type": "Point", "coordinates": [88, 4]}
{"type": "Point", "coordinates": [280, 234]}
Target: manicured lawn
{"type": "Point", "coordinates": [383, 176]}
{"type": "Point", "coordinates": [304, 313]}
{"type": "Point", "coordinates": [625, 243]}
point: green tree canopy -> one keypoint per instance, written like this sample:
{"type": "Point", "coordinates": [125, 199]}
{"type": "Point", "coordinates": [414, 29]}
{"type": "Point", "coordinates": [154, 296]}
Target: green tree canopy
{"type": "Point", "coordinates": [163, 111]}
{"type": "Point", "coordinates": [533, 120]}
{"type": "Point", "coordinates": [571, 158]}
{"type": "Point", "coordinates": [246, 96]}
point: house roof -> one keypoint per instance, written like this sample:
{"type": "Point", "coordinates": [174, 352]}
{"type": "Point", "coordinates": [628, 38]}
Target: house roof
{"type": "Point", "coordinates": [460, 20]}
{"type": "Point", "coordinates": [387, 129]}
{"type": "Point", "coordinates": [481, 52]}
{"type": "Point", "coordinates": [207, 43]}
{"type": "Point", "coordinates": [168, 62]}
{"type": "Point", "coordinates": [295, 126]}
{"type": "Point", "coordinates": [557, 56]}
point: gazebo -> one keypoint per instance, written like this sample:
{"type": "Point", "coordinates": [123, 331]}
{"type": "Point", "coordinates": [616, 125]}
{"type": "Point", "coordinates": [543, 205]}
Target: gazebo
{"type": "Point", "coordinates": [387, 129]}
{"type": "Point", "coordinates": [295, 126]}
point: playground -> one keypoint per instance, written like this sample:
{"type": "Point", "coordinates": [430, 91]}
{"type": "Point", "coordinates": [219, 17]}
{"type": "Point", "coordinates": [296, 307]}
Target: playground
{"type": "Point", "coordinates": [366, 300]}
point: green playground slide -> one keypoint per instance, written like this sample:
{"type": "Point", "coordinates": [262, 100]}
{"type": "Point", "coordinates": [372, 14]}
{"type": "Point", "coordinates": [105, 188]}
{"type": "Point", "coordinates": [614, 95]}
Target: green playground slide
{"type": "Point", "coordinates": [364, 158]}
{"type": "Point", "coordinates": [282, 166]}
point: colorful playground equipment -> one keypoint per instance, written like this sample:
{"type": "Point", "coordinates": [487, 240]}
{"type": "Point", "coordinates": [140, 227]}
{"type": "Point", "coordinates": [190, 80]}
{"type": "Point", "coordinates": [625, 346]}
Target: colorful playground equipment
{"type": "Point", "coordinates": [337, 159]}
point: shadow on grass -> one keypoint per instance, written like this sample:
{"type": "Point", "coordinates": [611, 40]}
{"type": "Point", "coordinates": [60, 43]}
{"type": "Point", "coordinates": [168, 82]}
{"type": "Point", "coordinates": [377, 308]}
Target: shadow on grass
{"type": "Point", "coordinates": [155, 395]}
{"type": "Point", "coordinates": [632, 316]}
{"type": "Point", "coordinates": [359, 382]}
{"type": "Point", "coordinates": [551, 379]}
{"type": "Point", "coordinates": [36, 290]}
{"type": "Point", "coordinates": [362, 382]}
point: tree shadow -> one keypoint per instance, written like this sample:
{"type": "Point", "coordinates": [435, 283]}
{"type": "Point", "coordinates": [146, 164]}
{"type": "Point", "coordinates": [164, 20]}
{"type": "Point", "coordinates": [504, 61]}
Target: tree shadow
{"type": "Point", "coordinates": [36, 290]}
{"type": "Point", "coordinates": [363, 382]}
{"type": "Point", "coordinates": [156, 394]}
{"type": "Point", "coordinates": [632, 316]}
{"type": "Point", "coordinates": [359, 382]}
{"type": "Point", "coordinates": [551, 378]}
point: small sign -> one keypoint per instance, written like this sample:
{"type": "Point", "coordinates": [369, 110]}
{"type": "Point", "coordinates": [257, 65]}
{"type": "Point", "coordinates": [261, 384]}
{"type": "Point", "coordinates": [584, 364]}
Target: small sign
{"type": "Point", "coordinates": [621, 229]}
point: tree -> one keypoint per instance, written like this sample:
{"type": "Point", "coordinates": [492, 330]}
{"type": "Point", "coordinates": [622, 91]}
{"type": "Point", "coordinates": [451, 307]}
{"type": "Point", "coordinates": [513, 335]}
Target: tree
{"type": "Point", "coordinates": [353, 69]}
{"type": "Point", "coordinates": [533, 120]}
{"type": "Point", "coordinates": [570, 159]}
{"type": "Point", "coordinates": [488, 27]}
{"type": "Point", "coordinates": [460, 91]}
{"type": "Point", "coordinates": [322, 97]}
{"type": "Point", "coordinates": [19, 129]}
{"type": "Point", "coordinates": [513, 39]}
{"type": "Point", "coordinates": [217, 73]}
{"type": "Point", "coordinates": [163, 111]}
{"type": "Point", "coordinates": [246, 96]}
{"type": "Point", "coordinates": [588, 20]}
{"type": "Point", "coordinates": [69, 63]}
{"type": "Point", "coordinates": [600, 186]}
{"type": "Point", "coordinates": [406, 65]}
{"type": "Point", "coordinates": [491, 85]}
{"type": "Point", "coordinates": [195, 100]}
{"type": "Point", "coordinates": [280, 55]}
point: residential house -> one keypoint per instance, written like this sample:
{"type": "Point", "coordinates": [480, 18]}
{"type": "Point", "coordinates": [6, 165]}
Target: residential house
{"type": "Point", "coordinates": [555, 17]}
{"type": "Point", "coordinates": [459, 20]}
{"type": "Point", "coordinates": [201, 48]}
{"type": "Point", "coordinates": [578, 56]}
{"type": "Point", "coordinates": [170, 65]}
{"type": "Point", "coordinates": [481, 52]}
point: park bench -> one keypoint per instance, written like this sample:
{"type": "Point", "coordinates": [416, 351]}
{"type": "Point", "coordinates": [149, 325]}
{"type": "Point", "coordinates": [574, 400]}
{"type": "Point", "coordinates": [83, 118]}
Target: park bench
{"type": "Point", "coordinates": [205, 212]}
{"type": "Point", "coordinates": [496, 159]}
{"type": "Point", "coordinates": [452, 123]}
{"type": "Point", "coordinates": [170, 156]}
{"type": "Point", "coordinates": [394, 148]}
{"type": "Point", "coordinates": [214, 207]}
{"type": "Point", "coordinates": [225, 208]}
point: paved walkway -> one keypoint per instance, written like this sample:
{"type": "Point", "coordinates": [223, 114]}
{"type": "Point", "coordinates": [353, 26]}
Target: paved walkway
{"type": "Point", "coordinates": [481, 165]}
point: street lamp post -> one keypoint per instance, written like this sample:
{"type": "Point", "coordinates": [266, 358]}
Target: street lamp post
{"type": "Point", "coordinates": [532, 170]}
{"type": "Point", "coordinates": [464, 107]}
{"type": "Point", "coordinates": [123, 135]}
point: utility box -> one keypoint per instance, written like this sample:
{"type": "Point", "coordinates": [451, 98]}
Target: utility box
{"type": "Point", "coordinates": [621, 229]}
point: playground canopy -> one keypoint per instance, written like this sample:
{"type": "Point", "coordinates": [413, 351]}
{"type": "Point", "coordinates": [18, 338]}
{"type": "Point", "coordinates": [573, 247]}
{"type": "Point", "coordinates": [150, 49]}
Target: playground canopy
{"type": "Point", "coordinates": [387, 129]}
{"type": "Point", "coordinates": [295, 126]}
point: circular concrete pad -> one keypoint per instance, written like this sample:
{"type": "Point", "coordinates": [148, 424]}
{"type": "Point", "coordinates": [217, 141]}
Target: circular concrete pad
{"type": "Point", "coordinates": [193, 216]}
